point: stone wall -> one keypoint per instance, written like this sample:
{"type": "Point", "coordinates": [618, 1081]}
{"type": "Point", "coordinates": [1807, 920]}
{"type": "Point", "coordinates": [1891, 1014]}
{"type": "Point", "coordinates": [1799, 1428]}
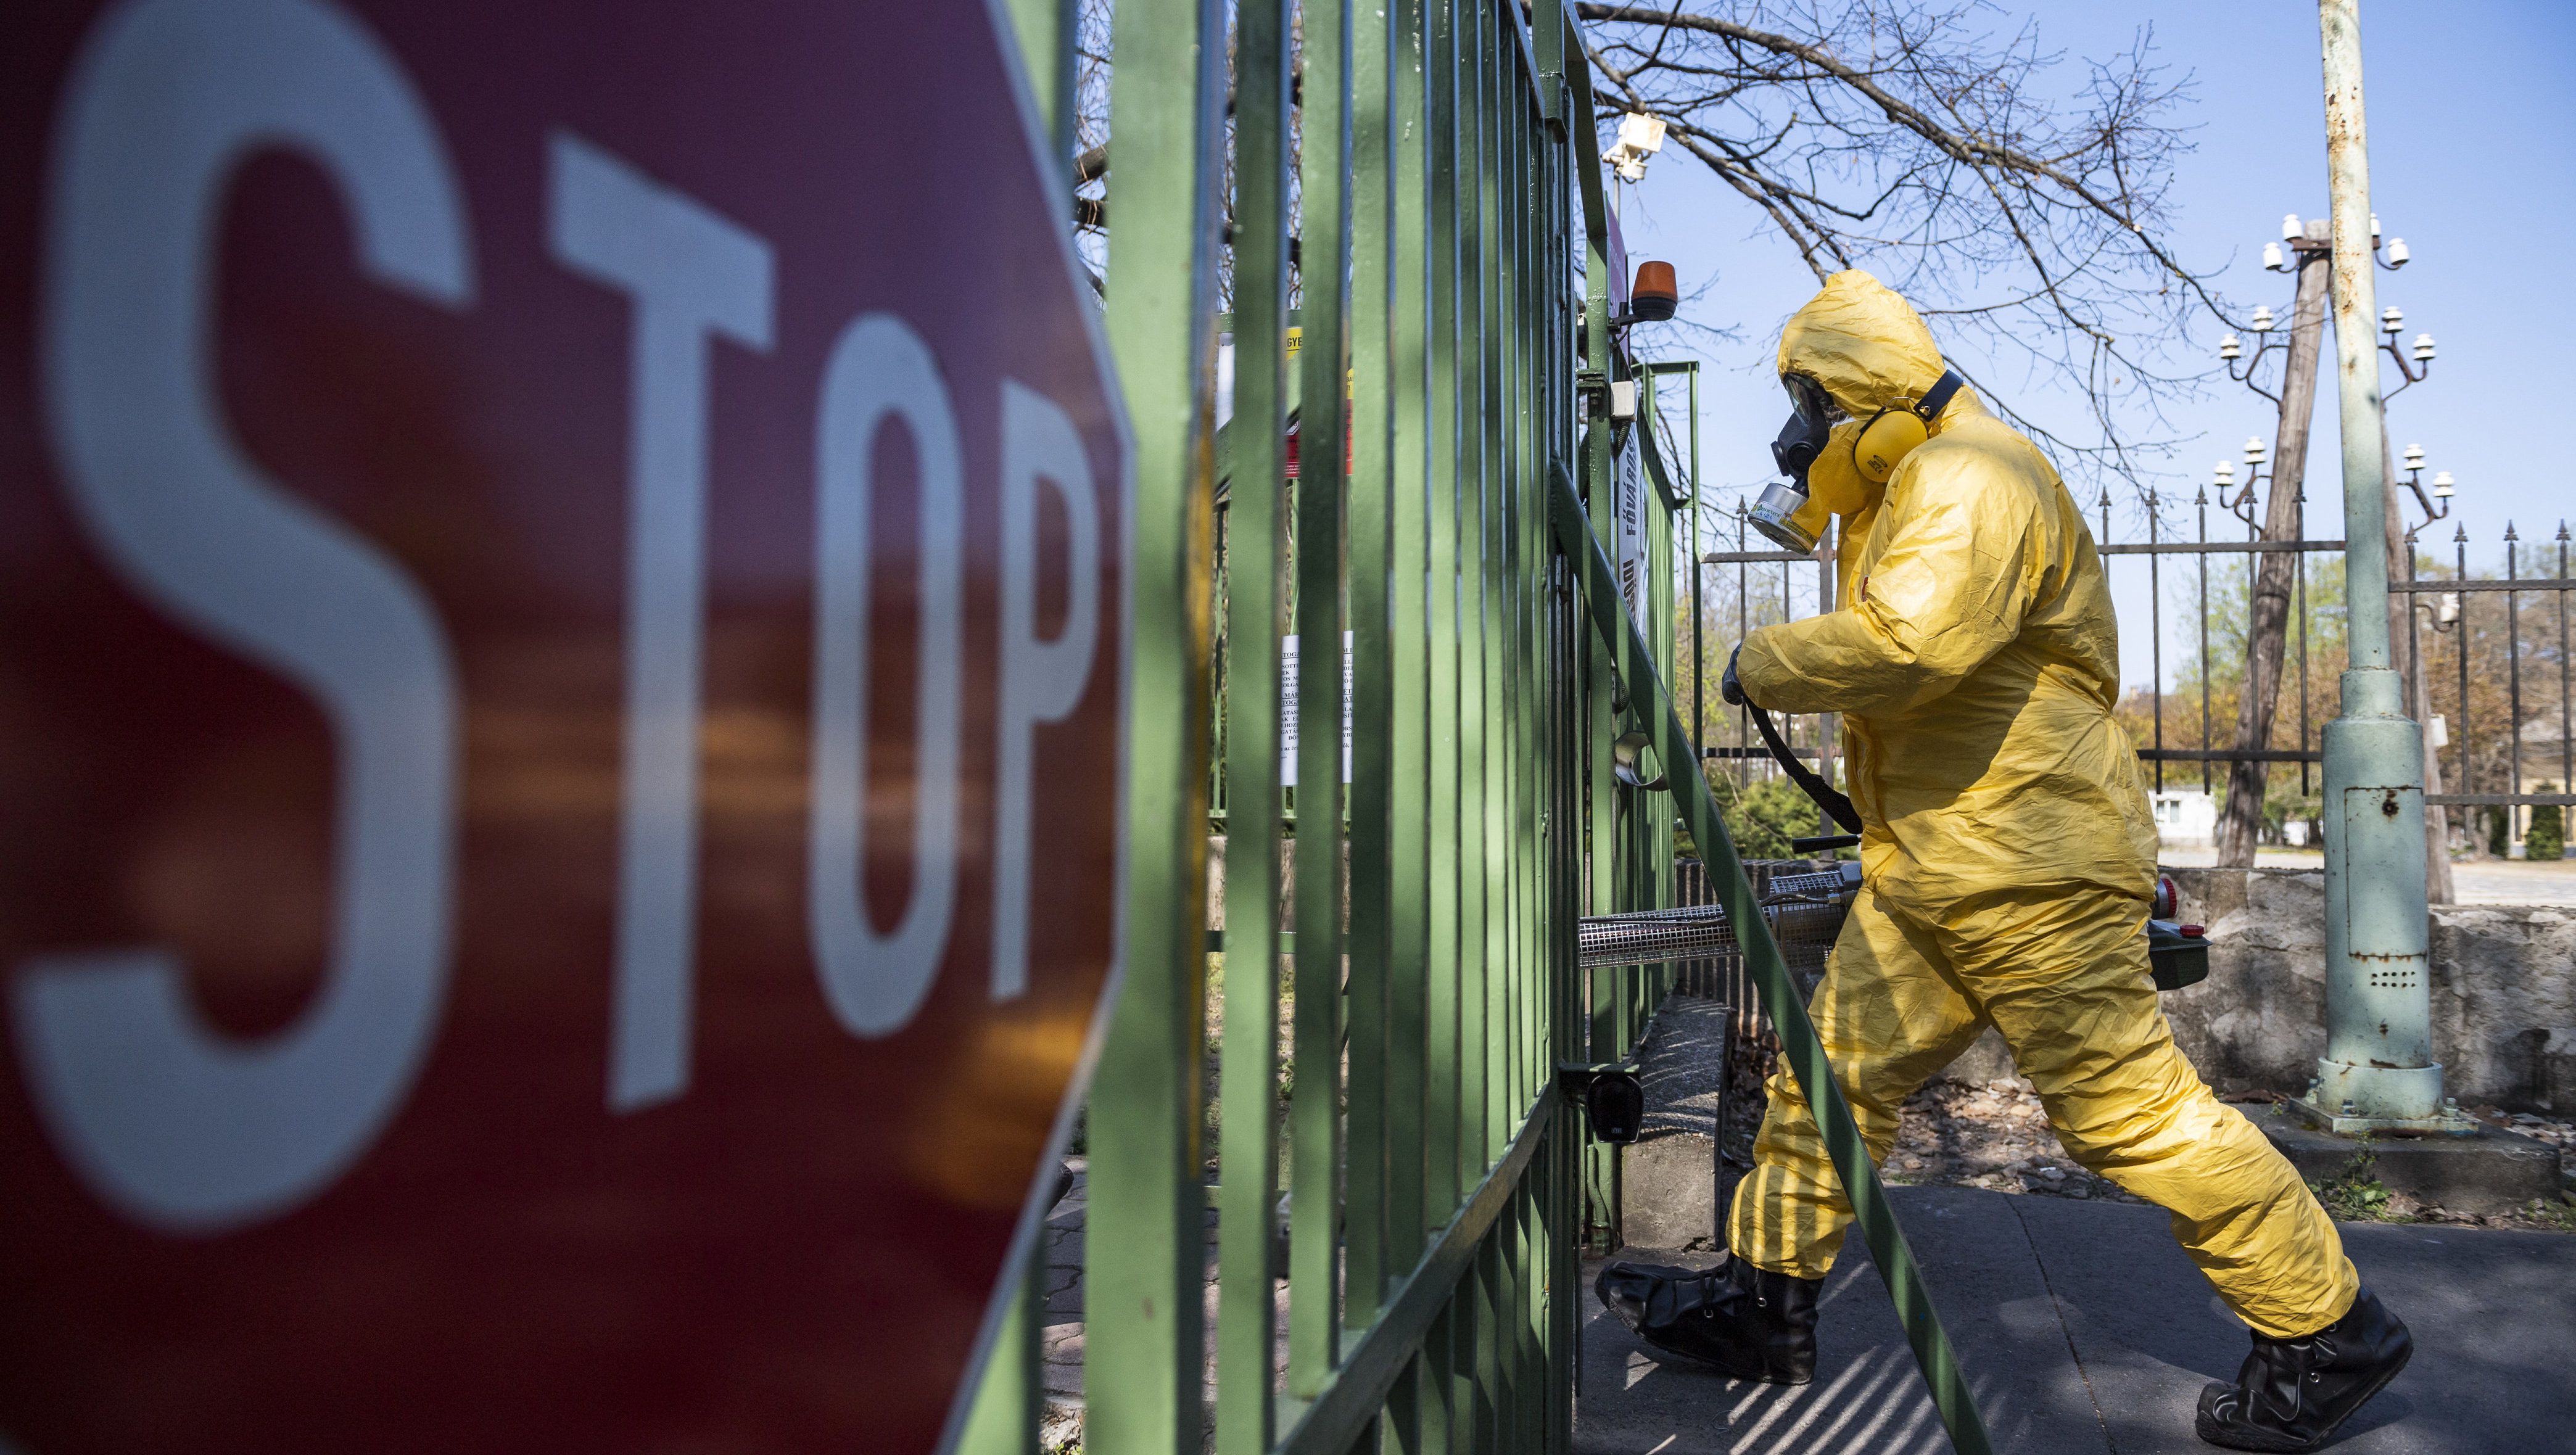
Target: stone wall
{"type": "Point", "coordinates": [2504, 978]}
{"type": "Point", "coordinates": [2259, 1019]}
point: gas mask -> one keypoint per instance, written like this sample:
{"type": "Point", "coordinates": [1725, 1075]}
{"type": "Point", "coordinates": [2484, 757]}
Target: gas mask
{"type": "Point", "coordinates": [1790, 514]}
{"type": "Point", "coordinates": [1781, 514]}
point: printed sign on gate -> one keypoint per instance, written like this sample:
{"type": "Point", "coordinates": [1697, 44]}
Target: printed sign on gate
{"type": "Point", "coordinates": [562, 580]}
{"type": "Point", "coordinates": [1628, 526]}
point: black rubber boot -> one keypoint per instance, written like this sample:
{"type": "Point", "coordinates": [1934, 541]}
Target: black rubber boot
{"type": "Point", "coordinates": [2293, 1393]}
{"type": "Point", "coordinates": [1735, 1318]}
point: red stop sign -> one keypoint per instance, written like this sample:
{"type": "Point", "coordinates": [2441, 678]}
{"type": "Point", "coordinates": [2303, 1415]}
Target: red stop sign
{"type": "Point", "coordinates": [559, 566]}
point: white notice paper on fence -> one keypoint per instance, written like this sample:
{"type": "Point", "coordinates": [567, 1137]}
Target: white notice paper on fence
{"type": "Point", "coordinates": [1629, 531]}
{"type": "Point", "coordinates": [1288, 710]}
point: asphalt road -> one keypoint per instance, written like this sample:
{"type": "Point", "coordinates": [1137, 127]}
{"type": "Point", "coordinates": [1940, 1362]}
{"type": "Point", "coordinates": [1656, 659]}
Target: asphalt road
{"type": "Point", "coordinates": [2473, 881]}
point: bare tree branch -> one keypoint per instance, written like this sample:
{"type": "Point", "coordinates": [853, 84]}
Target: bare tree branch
{"type": "Point", "coordinates": [1905, 136]}
{"type": "Point", "coordinates": [2019, 201]}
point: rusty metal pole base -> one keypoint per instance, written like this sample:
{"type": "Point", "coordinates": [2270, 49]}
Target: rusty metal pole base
{"type": "Point", "coordinates": [2341, 1118]}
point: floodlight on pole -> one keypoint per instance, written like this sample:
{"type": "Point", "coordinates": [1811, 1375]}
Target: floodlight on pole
{"type": "Point", "coordinates": [1640, 137]}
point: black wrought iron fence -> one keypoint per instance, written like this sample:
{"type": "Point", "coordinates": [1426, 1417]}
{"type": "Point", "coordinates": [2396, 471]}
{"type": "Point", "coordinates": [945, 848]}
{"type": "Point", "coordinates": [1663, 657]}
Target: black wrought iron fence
{"type": "Point", "coordinates": [2462, 634]}
{"type": "Point", "coordinates": [2479, 660]}
{"type": "Point", "coordinates": [2203, 746]}
{"type": "Point", "coordinates": [1767, 586]}
{"type": "Point", "coordinates": [2491, 670]}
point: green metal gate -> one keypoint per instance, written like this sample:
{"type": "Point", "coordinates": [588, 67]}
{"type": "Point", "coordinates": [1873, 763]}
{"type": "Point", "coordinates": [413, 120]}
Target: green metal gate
{"type": "Point", "coordinates": [1448, 240]}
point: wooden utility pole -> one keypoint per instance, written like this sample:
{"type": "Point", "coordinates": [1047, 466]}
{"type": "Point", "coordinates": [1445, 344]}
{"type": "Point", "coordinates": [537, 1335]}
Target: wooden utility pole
{"type": "Point", "coordinates": [2240, 820]}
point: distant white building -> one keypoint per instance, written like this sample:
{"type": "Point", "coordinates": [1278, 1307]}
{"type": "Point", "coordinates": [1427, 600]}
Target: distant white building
{"type": "Point", "coordinates": [2186, 818]}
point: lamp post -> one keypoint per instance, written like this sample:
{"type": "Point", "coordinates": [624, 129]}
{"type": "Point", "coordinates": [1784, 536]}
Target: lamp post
{"type": "Point", "coordinates": [2378, 1071]}
{"type": "Point", "coordinates": [2304, 251]}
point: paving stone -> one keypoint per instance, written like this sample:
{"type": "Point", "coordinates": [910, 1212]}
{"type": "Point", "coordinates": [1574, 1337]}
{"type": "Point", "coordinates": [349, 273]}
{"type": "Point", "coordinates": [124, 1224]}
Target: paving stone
{"type": "Point", "coordinates": [2082, 1327]}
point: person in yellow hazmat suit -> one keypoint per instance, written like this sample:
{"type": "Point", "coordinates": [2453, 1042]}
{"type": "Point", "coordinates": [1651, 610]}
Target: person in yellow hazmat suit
{"type": "Point", "coordinates": [2008, 859]}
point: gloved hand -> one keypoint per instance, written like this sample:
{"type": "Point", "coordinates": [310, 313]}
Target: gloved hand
{"type": "Point", "coordinates": [1727, 687]}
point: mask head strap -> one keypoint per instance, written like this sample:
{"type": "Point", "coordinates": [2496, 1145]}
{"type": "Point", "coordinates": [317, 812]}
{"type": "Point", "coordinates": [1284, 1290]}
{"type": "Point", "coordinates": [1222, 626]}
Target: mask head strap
{"type": "Point", "coordinates": [1937, 398]}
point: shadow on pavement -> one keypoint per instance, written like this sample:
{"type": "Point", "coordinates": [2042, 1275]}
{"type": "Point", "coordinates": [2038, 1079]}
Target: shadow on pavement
{"type": "Point", "coordinates": [2083, 1328]}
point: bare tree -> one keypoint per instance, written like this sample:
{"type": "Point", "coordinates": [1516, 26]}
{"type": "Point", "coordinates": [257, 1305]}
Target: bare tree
{"type": "Point", "coordinates": [2022, 204]}
{"type": "Point", "coordinates": [1905, 137]}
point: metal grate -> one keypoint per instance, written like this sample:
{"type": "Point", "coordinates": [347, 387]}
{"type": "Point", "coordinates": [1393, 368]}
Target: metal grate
{"type": "Point", "coordinates": [1804, 910]}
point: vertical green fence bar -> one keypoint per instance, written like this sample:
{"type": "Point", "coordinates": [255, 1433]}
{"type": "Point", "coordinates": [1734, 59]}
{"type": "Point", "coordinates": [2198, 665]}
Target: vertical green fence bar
{"type": "Point", "coordinates": [1610, 988]}
{"type": "Point", "coordinates": [1441, 433]}
{"type": "Point", "coordinates": [1315, 1115]}
{"type": "Point", "coordinates": [1542, 826]}
{"type": "Point", "coordinates": [1368, 1262]}
{"type": "Point", "coordinates": [1699, 653]}
{"type": "Point", "coordinates": [1475, 1373]}
{"type": "Point", "coordinates": [1495, 1116]}
{"type": "Point", "coordinates": [1606, 987]}
{"type": "Point", "coordinates": [1468, 542]}
{"type": "Point", "coordinates": [1441, 1430]}
{"type": "Point", "coordinates": [1045, 31]}
{"type": "Point", "coordinates": [1502, 1106]}
{"type": "Point", "coordinates": [1523, 769]}
{"type": "Point", "coordinates": [1256, 543]}
{"type": "Point", "coordinates": [1004, 1419]}
{"type": "Point", "coordinates": [1518, 786]}
{"type": "Point", "coordinates": [1567, 768]}
{"type": "Point", "coordinates": [1408, 641]}
{"type": "Point", "coordinates": [1500, 1110]}
{"type": "Point", "coordinates": [1142, 1301]}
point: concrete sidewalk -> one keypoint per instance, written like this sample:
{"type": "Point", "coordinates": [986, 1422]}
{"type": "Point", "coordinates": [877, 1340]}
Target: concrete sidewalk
{"type": "Point", "coordinates": [2083, 1328]}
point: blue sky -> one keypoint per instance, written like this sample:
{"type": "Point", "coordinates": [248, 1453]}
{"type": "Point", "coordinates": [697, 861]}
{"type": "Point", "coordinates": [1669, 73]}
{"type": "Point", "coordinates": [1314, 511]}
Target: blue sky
{"type": "Point", "coordinates": [2471, 141]}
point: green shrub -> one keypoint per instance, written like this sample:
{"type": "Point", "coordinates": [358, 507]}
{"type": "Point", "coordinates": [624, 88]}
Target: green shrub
{"type": "Point", "coordinates": [1766, 816]}
{"type": "Point", "coordinates": [2284, 805]}
{"type": "Point", "coordinates": [2546, 838]}
{"type": "Point", "coordinates": [2499, 832]}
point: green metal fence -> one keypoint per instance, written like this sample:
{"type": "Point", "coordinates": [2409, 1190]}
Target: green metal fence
{"type": "Point", "coordinates": [1447, 245]}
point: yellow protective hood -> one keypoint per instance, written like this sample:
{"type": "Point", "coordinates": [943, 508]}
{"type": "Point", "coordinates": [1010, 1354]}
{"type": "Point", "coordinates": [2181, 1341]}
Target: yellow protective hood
{"type": "Point", "coordinates": [1867, 346]}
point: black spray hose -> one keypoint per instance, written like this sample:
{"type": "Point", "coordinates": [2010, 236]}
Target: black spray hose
{"type": "Point", "coordinates": [1832, 800]}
